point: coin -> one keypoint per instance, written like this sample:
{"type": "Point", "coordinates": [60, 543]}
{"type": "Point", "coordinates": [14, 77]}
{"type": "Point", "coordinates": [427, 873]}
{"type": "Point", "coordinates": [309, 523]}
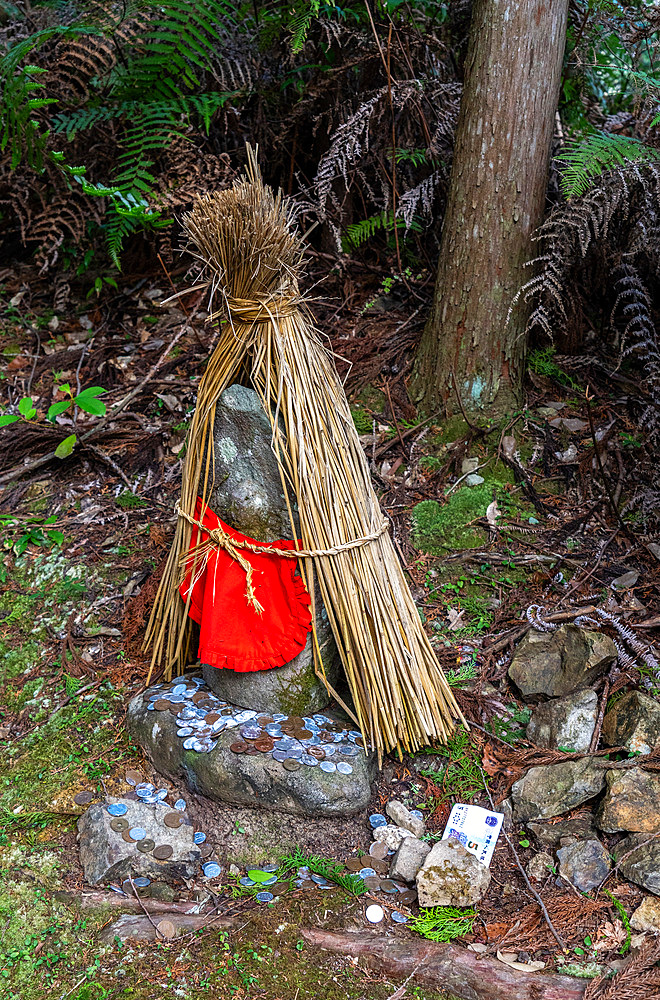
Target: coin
{"type": "Point", "coordinates": [265, 897]}
{"type": "Point", "coordinates": [372, 882]}
{"type": "Point", "coordinates": [82, 798]}
{"type": "Point", "coordinates": [163, 852]}
{"type": "Point", "coordinates": [205, 851]}
{"type": "Point", "coordinates": [166, 929]}
{"type": "Point", "coordinates": [173, 820]}
{"type": "Point", "coordinates": [212, 717]}
{"type": "Point", "coordinates": [408, 897]}
{"type": "Point", "coordinates": [127, 837]}
{"type": "Point", "coordinates": [291, 765]}
{"type": "Point", "coordinates": [142, 882]}
{"type": "Point", "coordinates": [251, 752]}
{"type": "Point", "coordinates": [119, 824]}
{"type": "Point", "coordinates": [382, 867]}
{"type": "Point", "coordinates": [211, 869]}
{"type": "Point", "coordinates": [317, 752]}
{"type": "Point", "coordinates": [238, 747]}
{"type": "Point", "coordinates": [309, 761]}
{"type": "Point", "coordinates": [399, 918]}
{"type": "Point", "coordinates": [328, 766]}
{"type": "Point", "coordinates": [354, 864]}
{"type": "Point", "coordinates": [387, 885]}
{"type": "Point", "coordinates": [161, 705]}
{"type": "Point", "coordinates": [117, 809]}
{"type": "Point", "coordinates": [137, 833]}
{"type": "Point", "coordinates": [264, 745]}
{"type": "Point", "coordinates": [146, 846]}
{"type": "Point", "coordinates": [378, 850]}
{"type": "Point", "coordinates": [199, 837]}
{"type": "Point", "coordinates": [133, 777]}
{"type": "Point", "coordinates": [304, 734]}
{"type": "Point", "coordinates": [376, 820]}
{"type": "Point", "coordinates": [374, 913]}
{"type": "Point", "coordinates": [344, 768]}
{"type": "Point", "coordinates": [366, 871]}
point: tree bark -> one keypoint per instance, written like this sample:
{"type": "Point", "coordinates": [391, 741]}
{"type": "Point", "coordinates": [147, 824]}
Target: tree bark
{"type": "Point", "coordinates": [496, 199]}
{"type": "Point", "coordinates": [461, 972]}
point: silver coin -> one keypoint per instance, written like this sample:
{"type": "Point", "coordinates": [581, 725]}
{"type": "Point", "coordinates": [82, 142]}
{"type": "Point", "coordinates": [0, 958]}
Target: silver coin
{"type": "Point", "coordinates": [137, 833]}
{"type": "Point", "coordinates": [328, 765]}
{"type": "Point", "coordinates": [180, 804]}
{"type": "Point", "coordinates": [271, 868]}
{"type": "Point", "coordinates": [374, 913]}
{"type": "Point", "coordinates": [150, 708]}
{"type": "Point", "coordinates": [399, 918]}
{"type": "Point", "coordinates": [354, 734]}
{"type": "Point", "coordinates": [179, 689]}
{"type": "Point", "coordinates": [348, 750]}
{"type": "Point", "coordinates": [376, 820]}
{"type": "Point", "coordinates": [161, 794]}
{"type": "Point", "coordinates": [417, 813]}
{"type": "Point", "coordinates": [278, 717]}
{"type": "Point", "coordinates": [149, 799]}
{"type": "Point", "coordinates": [247, 882]}
{"type": "Point", "coordinates": [184, 731]}
{"type": "Point", "coordinates": [366, 872]}
{"type": "Point", "coordinates": [330, 749]}
{"type": "Point", "coordinates": [344, 768]}
{"type": "Point", "coordinates": [279, 755]}
{"type": "Point", "coordinates": [142, 882]}
{"type": "Point", "coordinates": [245, 716]}
{"type": "Point", "coordinates": [265, 897]}
{"type": "Point", "coordinates": [295, 753]}
{"type": "Point", "coordinates": [319, 879]}
{"type": "Point", "coordinates": [273, 729]}
{"type": "Point", "coordinates": [144, 788]}
{"type": "Point", "coordinates": [309, 760]}
{"type": "Point", "coordinates": [230, 723]}
{"type": "Point", "coordinates": [199, 837]}
{"type": "Point", "coordinates": [189, 743]}
{"type": "Point", "coordinates": [186, 714]}
{"type": "Point", "coordinates": [117, 809]}
{"type": "Point", "coordinates": [211, 869]}
{"type": "Point", "coordinates": [320, 720]}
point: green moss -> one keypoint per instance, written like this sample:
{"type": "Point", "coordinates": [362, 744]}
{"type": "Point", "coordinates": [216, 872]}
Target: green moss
{"type": "Point", "coordinates": [438, 529]}
{"type": "Point", "coordinates": [448, 431]}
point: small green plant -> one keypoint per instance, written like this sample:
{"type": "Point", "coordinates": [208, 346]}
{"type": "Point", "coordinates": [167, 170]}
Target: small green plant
{"type": "Point", "coordinates": [624, 920]}
{"type": "Point", "coordinates": [330, 870]}
{"type": "Point", "coordinates": [86, 400]}
{"type": "Point", "coordinates": [443, 923]}
{"type": "Point", "coordinates": [460, 775]}
{"type": "Point", "coordinates": [17, 532]}
{"type": "Point", "coordinates": [541, 363]}
{"type": "Point", "coordinates": [129, 501]}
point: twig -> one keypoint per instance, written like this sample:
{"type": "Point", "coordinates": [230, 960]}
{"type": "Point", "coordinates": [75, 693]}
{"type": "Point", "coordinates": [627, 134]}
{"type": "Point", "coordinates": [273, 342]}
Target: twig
{"type": "Point", "coordinates": [546, 915]}
{"type": "Point", "coordinates": [63, 704]}
{"type": "Point", "coordinates": [599, 462]}
{"type": "Point", "coordinates": [593, 746]}
{"type": "Point", "coordinates": [381, 449]}
{"type": "Point", "coordinates": [111, 463]}
{"type": "Point", "coordinates": [144, 909]}
{"type": "Point", "coordinates": [465, 475]}
{"type": "Point", "coordinates": [20, 470]}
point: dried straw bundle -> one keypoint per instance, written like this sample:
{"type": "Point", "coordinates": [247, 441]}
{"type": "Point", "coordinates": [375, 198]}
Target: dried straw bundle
{"type": "Point", "coordinates": [251, 257]}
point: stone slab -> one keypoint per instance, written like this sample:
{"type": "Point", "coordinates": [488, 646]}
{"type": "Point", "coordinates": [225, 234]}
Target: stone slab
{"type": "Point", "coordinates": [565, 723]}
{"type": "Point", "coordinates": [631, 802]}
{"type": "Point", "coordinates": [451, 876]}
{"type": "Point", "coordinates": [107, 857]}
{"type": "Point", "coordinates": [256, 781]}
{"type": "Point", "coordinates": [561, 662]}
{"type": "Point", "coordinates": [553, 789]}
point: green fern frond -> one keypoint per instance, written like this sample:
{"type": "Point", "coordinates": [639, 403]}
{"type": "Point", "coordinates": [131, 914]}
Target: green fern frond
{"type": "Point", "coordinates": [359, 232]}
{"type": "Point", "coordinates": [587, 158]}
{"type": "Point", "coordinates": [300, 22]}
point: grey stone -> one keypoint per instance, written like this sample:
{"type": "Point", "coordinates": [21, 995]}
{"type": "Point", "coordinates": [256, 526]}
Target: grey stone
{"type": "Point", "coordinates": [585, 863]}
{"type": "Point", "coordinates": [106, 857]}
{"type": "Point", "coordinates": [638, 859]}
{"type": "Point", "coordinates": [451, 876]}
{"type": "Point", "coordinates": [552, 789]}
{"type": "Point", "coordinates": [248, 495]}
{"type": "Point", "coordinates": [628, 579]}
{"type": "Point", "coordinates": [391, 835]}
{"type": "Point", "coordinates": [577, 828]}
{"type": "Point", "coordinates": [409, 858]}
{"type": "Point", "coordinates": [561, 662]}
{"type": "Point", "coordinates": [567, 723]}
{"type": "Point", "coordinates": [260, 781]}
{"type": "Point", "coordinates": [540, 866]}
{"type": "Point", "coordinates": [647, 915]}
{"type": "Point", "coordinates": [633, 722]}
{"type": "Point", "coordinates": [631, 803]}
{"type": "Point", "coordinates": [474, 479]}
{"type": "Point", "coordinates": [403, 818]}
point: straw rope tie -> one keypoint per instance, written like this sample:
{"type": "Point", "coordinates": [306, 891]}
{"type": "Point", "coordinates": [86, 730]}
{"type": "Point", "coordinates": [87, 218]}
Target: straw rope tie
{"type": "Point", "coordinates": [266, 310]}
{"type": "Point", "coordinates": [218, 538]}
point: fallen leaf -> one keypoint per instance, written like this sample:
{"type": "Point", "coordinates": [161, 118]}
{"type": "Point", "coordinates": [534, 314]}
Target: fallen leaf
{"type": "Point", "coordinates": [513, 963]}
{"type": "Point", "coordinates": [455, 618]}
{"type": "Point", "coordinates": [492, 513]}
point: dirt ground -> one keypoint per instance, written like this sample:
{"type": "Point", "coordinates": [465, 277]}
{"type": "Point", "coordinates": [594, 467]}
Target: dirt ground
{"type": "Point", "coordinates": [83, 539]}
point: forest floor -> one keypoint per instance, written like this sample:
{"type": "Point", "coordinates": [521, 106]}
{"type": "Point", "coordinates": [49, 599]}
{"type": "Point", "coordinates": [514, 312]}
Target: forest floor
{"type": "Point", "coordinates": [84, 535]}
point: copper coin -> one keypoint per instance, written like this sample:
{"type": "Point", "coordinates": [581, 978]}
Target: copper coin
{"type": "Point", "coordinates": [327, 737]}
{"type": "Point", "coordinates": [163, 852]}
{"type": "Point", "coordinates": [408, 897]}
{"type": "Point", "coordinates": [165, 929]}
{"type": "Point", "coordinates": [212, 717]}
{"type": "Point", "coordinates": [295, 720]}
{"type": "Point", "coordinates": [175, 709]}
{"type": "Point", "coordinates": [173, 820]}
{"type": "Point", "coordinates": [205, 850]}
{"type": "Point", "coordinates": [161, 705]}
{"type": "Point", "coordinates": [82, 798]}
{"type": "Point", "coordinates": [290, 765]}
{"type": "Point", "coordinates": [251, 752]}
{"type": "Point", "coordinates": [378, 850]}
{"type": "Point", "coordinates": [239, 747]}
{"type": "Point", "coordinates": [264, 745]}
{"type": "Point", "coordinates": [127, 837]}
{"type": "Point", "coordinates": [372, 882]}
{"type": "Point", "coordinates": [146, 846]}
{"type": "Point", "coordinates": [119, 824]}
{"type": "Point", "coordinates": [133, 777]}
{"type": "Point", "coordinates": [316, 752]}
{"type": "Point", "coordinates": [382, 867]}
{"type": "Point", "coordinates": [387, 885]}
{"type": "Point", "coordinates": [200, 696]}
{"type": "Point", "coordinates": [304, 734]}
{"type": "Point", "coordinates": [266, 721]}
{"type": "Point", "coordinates": [354, 864]}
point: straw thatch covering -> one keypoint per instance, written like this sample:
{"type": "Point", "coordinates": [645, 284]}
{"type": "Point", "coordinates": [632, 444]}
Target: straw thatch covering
{"type": "Point", "coordinates": [252, 259]}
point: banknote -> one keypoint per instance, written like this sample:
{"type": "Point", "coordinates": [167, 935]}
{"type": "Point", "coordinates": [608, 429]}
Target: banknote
{"type": "Point", "coordinates": [477, 830]}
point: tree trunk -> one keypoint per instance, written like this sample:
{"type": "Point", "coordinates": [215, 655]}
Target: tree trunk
{"type": "Point", "coordinates": [496, 200]}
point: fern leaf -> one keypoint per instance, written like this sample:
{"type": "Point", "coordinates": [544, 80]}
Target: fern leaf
{"type": "Point", "coordinates": [587, 158]}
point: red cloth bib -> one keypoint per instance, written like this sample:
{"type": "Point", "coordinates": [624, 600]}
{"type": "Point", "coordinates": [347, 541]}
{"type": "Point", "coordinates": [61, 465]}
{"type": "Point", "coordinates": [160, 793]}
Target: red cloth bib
{"type": "Point", "coordinates": [232, 634]}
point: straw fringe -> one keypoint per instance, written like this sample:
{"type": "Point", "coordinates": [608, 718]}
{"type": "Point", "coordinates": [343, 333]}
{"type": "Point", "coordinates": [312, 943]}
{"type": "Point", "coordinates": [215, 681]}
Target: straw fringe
{"type": "Point", "coordinates": [243, 237]}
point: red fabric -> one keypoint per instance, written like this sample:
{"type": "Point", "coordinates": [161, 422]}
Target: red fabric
{"type": "Point", "coordinates": [234, 635]}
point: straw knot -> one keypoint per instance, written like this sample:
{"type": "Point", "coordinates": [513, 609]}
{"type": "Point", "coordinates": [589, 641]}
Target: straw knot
{"type": "Point", "coordinates": [268, 309]}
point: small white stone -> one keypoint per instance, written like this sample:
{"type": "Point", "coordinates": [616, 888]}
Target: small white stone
{"type": "Point", "coordinates": [374, 913]}
{"type": "Point", "coordinates": [391, 835]}
{"type": "Point", "coordinates": [404, 818]}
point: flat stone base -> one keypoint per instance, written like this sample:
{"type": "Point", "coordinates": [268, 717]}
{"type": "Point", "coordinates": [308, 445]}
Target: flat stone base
{"type": "Point", "coordinates": [258, 781]}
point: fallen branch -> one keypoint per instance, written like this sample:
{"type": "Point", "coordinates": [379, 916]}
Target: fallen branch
{"type": "Point", "coordinates": [136, 927]}
{"type": "Point", "coordinates": [445, 966]}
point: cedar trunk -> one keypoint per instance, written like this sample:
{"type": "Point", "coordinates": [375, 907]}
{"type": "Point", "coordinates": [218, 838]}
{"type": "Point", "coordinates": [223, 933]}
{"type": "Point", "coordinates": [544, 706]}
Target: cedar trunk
{"type": "Point", "coordinates": [471, 345]}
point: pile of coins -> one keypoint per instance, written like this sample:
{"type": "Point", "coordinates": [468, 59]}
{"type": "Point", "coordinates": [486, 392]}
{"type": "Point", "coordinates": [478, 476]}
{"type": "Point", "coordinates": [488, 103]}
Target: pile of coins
{"type": "Point", "coordinates": [295, 741]}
